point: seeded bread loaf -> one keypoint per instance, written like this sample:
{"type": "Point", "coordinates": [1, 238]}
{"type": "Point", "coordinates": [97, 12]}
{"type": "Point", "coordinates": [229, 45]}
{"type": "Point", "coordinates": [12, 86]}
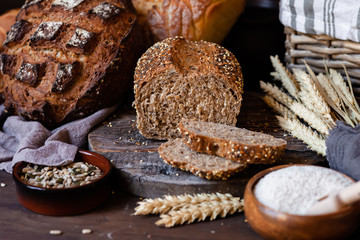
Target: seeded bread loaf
{"type": "Point", "coordinates": [177, 78]}
{"type": "Point", "coordinates": [177, 154]}
{"type": "Point", "coordinates": [237, 144]}
{"type": "Point", "coordinates": [65, 59]}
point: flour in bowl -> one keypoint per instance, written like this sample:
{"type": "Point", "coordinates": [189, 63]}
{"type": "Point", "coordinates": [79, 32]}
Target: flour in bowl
{"type": "Point", "coordinates": [295, 189]}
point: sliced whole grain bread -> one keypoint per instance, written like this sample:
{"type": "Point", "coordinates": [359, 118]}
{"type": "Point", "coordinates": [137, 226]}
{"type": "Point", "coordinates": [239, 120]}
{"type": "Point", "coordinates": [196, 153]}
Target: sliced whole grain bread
{"type": "Point", "coordinates": [177, 154]}
{"type": "Point", "coordinates": [237, 144]}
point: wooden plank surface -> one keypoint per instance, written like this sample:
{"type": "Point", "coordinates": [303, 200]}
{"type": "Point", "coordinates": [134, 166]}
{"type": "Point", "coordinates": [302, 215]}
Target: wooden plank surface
{"type": "Point", "coordinates": [142, 172]}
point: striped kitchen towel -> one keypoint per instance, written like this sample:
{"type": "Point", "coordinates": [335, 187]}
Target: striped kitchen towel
{"type": "Point", "coordinates": [336, 18]}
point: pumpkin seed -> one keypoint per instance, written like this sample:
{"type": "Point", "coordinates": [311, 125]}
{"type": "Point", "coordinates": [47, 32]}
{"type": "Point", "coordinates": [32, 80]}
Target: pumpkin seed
{"type": "Point", "coordinates": [72, 175]}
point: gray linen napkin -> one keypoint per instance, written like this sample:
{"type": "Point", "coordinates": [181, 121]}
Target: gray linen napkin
{"type": "Point", "coordinates": [343, 149]}
{"type": "Point", "coordinates": [30, 141]}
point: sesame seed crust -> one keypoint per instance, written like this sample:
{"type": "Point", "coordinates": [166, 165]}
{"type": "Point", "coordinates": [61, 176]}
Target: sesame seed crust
{"type": "Point", "coordinates": [161, 55]}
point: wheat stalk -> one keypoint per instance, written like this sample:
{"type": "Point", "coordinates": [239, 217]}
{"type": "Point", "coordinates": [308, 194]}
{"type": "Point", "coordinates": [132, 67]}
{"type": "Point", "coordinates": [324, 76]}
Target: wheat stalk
{"type": "Point", "coordinates": [310, 95]}
{"type": "Point", "coordinates": [318, 100]}
{"type": "Point", "coordinates": [314, 141]}
{"type": "Point", "coordinates": [168, 202]}
{"type": "Point", "coordinates": [188, 208]}
{"type": "Point", "coordinates": [340, 84]}
{"type": "Point", "coordinates": [339, 109]}
{"type": "Point", "coordinates": [284, 76]}
{"type": "Point", "coordinates": [326, 84]}
{"type": "Point", "coordinates": [200, 212]}
{"type": "Point", "coordinates": [278, 107]}
{"type": "Point", "coordinates": [352, 116]}
{"type": "Point", "coordinates": [318, 109]}
{"type": "Point", "coordinates": [347, 97]}
{"type": "Point", "coordinates": [313, 119]}
{"type": "Point", "coordinates": [276, 93]}
{"type": "Point", "coordinates": [352, 92]}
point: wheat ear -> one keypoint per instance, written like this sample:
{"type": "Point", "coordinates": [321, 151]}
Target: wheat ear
{"type": "Point", "coordinates": [284, 76]}
{"type": "Point", "coordinates": [341, 111]}
{"type": "Point", "coordinates": [326, 84]}
{"type": "Point", "coordinates": [278, 107]}
{"type": "Point", "coordinates": [311, 96]}
{"type": "Point", "coordinates": [276, 93]}
{"type": "Point", "coordinates": [200, 212]}
{"type": "Point", "coordinates": [340, 84]}
{"type": "Point", "coordinates": [352, 91]}
{"type": "Point", "coordinates": [168, 202]}
{"type": "Point", "coordinates": [313, 119]}
{"type": "Point", "coordinates": [314, 141]}
{"type": "Point", "coordinates": [345, 94]}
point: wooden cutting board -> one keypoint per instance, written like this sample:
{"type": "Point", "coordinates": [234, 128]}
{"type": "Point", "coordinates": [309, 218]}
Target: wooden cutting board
{"type": "Point", "coordinates": [141, 171]}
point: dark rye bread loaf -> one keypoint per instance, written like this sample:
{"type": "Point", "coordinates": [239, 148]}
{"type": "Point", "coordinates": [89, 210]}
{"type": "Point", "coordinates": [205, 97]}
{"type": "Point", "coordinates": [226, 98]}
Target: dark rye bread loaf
{"type": "Point", "coordinates": [177, 154]}
{"type": "Point", "coordinates": [177, 78]}
{"type": "Point", "coordinates": [237, 144]}
{"type": "Point", "coordinates": [65, 59]}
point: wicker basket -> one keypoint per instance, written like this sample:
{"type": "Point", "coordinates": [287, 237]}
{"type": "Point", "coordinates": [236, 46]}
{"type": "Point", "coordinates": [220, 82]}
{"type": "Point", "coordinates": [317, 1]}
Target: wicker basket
{"type": "Point", "coordinates": [319, 49]}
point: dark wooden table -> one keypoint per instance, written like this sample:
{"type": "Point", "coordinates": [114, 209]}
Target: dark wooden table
{"type": "Point", "coordinates": [114, 219]}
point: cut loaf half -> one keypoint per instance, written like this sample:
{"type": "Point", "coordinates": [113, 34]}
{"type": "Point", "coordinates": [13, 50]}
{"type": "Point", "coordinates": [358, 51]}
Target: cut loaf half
{"type": "Point", "coordinates": [177, 78]}
{"type": "Point", "coordinates": [237, 144]}
{"type": "Point", "coordinates": [177, 154]}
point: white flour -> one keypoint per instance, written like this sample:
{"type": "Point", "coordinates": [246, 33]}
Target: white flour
{"type": "Point", "coordinates": [295, 189]}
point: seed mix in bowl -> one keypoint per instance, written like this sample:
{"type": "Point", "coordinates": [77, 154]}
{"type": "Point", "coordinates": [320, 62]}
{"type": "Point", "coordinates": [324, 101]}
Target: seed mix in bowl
{"type": "Point", "coordinates": [72, 175]}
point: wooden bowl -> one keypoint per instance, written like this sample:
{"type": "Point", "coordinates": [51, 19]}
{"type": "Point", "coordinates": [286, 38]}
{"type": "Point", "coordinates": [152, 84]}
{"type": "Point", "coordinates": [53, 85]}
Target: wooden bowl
{"type": "Point", "coordinates": [272, 224]}
{"type": "Point", "coordinates": [66, 201]}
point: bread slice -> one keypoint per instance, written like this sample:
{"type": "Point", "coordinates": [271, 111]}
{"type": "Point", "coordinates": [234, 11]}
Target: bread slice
{"type": "Point", "coordinates": [177, 78]}
{"type": "Point", "coordinates": [177, 154]}
{"type": "Point", "coordinates": [236, 144]}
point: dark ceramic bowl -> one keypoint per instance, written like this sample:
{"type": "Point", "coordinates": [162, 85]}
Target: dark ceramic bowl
{"type": "Point", "coordinates": [66, 201]}
{"type": "Point", "coordinates": [272, 224]}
